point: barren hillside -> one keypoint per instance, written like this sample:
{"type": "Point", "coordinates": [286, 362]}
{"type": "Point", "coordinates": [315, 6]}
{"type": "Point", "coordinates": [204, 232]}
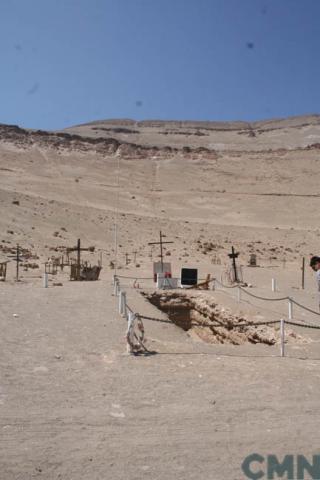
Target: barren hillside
{"type": "Point", "coordinates": [255, 185]}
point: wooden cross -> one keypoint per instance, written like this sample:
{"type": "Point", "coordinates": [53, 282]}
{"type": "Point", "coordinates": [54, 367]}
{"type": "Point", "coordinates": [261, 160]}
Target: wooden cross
{"type": "Point", "coordinates": [78, 249]}
{"type": "Point", "coordinates": [17, 258]}
{"type": "Point", "coordinates": [233, 255]}
{"type": "Point", "coordinates": [161, 243]}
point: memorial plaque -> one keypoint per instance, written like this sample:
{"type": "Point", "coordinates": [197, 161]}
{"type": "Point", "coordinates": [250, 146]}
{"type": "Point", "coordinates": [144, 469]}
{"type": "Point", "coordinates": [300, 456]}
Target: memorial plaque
{"type": "Point", "coordinates": [189, 276]}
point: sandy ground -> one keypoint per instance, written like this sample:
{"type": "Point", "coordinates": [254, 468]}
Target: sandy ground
{"type": "Point", "coordinates": [73, 404]}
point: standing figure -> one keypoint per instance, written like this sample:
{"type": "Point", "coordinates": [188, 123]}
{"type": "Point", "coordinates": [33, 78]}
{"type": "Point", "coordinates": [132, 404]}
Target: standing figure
{"type": "Point", "coordinates": [315, 265]}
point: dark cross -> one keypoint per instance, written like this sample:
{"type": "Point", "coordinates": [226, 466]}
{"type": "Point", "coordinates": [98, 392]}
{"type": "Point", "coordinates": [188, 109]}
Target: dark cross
{"type": "Point", "coordinates": [161, 243]}
{"type": "Point", "coordinates": [78, 249]}
{"type": "Point", "coordinates": [233, 255]}
{"type": "Point", "coordinates": [17, 258]}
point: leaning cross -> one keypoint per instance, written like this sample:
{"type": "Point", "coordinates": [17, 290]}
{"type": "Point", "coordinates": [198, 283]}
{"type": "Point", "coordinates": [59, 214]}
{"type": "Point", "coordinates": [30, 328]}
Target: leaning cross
{"type": "Point", "coordinates": [233, 255]}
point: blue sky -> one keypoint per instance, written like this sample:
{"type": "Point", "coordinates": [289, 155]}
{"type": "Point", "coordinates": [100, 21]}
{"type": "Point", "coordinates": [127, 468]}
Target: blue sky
{"type": "Point", "coordinates": [66, 62]}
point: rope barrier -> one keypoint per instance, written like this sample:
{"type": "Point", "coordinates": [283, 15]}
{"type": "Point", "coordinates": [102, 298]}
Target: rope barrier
{"type": "Point", "coordinates": [263, 298]}
{"type": "Point", "coordinates": [271, 299]}
{"type": "Point", "coordinates": [243, 324]}
{"type": "Point", "coordinates": [225, 286]}
{"type": "Point", "coordinates": [153, 319]}
{"type": "Point", "coordinates": [305, 308]}
{"type": "Point", "coordinates": [134, 278]}
{"type": "Point", "coordinates": [130, 310]}
{"type": "Point", "coordinates": [304, 325]}
{"type": "Point", "coordinates": [281, 299]}
{"type": "Point", "coordinates": [248, 324]}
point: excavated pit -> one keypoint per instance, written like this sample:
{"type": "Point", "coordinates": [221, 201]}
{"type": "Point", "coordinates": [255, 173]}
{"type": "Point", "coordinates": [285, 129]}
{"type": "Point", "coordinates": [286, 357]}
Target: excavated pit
{"type": "Point", "coordinates": [200, 316]}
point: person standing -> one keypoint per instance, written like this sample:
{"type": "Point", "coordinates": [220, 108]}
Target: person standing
{"type": "Point", "coordinates": [315, 265]}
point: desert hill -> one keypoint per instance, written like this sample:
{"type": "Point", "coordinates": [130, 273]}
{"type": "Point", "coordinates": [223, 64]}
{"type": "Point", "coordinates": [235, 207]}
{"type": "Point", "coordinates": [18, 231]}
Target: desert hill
{"type": "Point", "coordinates": [255, 185]}
{"type": "Point", "coordinates": [290, 133]}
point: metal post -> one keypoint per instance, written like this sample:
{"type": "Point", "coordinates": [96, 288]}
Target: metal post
{"type": "Point", "coordinates": [290, 309]}
{"type": "Point", "coordinates": [45, 280]}
{"type": "Point", "coordinates": [282, 337]}
{"type": "Point", "coordinates": [273, 285]}
{"type": "Point", "coordinates": [303, 272]}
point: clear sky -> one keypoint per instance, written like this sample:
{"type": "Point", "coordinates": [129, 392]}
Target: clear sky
{"type": "Point", "coordinates": [65, 62]}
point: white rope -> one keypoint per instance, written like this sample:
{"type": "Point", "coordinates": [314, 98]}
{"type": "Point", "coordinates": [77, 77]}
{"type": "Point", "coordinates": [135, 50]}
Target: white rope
{"type": "Point", "coordinates": [271, 299]}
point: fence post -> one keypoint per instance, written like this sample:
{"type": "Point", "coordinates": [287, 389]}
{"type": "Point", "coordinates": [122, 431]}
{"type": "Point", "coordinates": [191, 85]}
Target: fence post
{"type": "Point", "coordinates": [273, 285]}
{"type": "Point", "coordinates": [117, 288]}
{"type": "Point", "coordinates": [120, 302]}
{"type": "Point", "coordinates": [124, 304]}
{"type": "Point", "coordinates": [45, 280]}
{"type": "Point", "coordinates": [239, 294]}
{"type": "Point", "coordinates": [282, 337]}
{"type": "Point", "coordinates": [290, 309]}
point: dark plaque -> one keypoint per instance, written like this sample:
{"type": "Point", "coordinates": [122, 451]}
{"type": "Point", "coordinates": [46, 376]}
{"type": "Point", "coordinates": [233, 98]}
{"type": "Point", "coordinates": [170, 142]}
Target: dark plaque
{"type": "Point", "coordinates": [189, 276]}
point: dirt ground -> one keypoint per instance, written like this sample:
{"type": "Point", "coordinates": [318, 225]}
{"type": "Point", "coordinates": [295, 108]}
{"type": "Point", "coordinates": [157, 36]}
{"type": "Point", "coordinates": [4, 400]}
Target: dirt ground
{"type": "Point", "coordinates": [74, 405]}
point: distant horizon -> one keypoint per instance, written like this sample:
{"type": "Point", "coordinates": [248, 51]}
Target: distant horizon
{"type": "Point", "coordinates": [176, 120]}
